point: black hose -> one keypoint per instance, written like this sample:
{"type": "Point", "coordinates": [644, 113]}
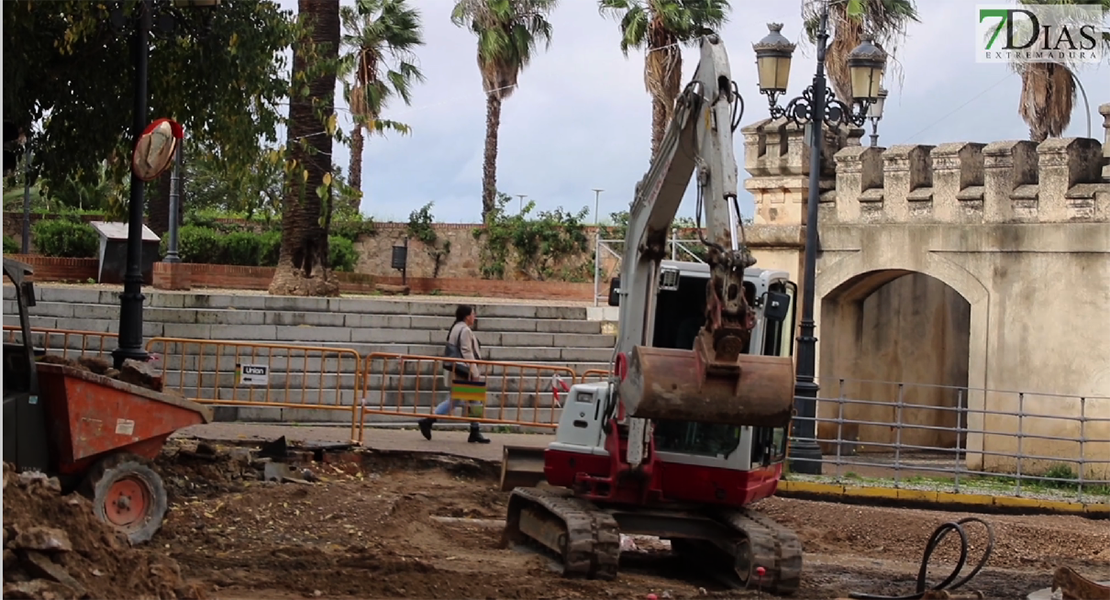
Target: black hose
{"type": "Point", "coordinates": [934, 541]}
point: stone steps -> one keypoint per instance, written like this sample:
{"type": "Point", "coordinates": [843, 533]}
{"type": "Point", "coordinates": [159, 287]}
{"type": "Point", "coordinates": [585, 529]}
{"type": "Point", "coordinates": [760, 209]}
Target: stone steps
{"type": "Point", "coordinates": [544, 336]}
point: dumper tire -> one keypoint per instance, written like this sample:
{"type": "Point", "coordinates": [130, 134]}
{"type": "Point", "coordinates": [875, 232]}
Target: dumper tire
{"type": "Point", "coordinates": [127, 494]}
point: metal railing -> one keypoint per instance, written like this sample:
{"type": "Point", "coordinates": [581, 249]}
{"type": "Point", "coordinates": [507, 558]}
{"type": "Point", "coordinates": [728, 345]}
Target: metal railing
{"type": "Point", "coordinates": [263, 375]}
{"type": "Point", "coordinates": [409, 385]}
{"type": "Point", "coordinates": [70, 343]}
{"type": "Point", "coordinates": [603, 250]}
{"type": "Point", "coordinates": [945, 438]}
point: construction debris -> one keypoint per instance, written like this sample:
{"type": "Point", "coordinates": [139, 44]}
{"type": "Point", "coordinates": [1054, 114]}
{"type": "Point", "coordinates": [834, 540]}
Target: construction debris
{"type": "Point", "coordinates": [1077, 587]}
{"type": "Point", "coordinates": [133, 372]}
{"type": "Point", "coordinates": [56, 549]}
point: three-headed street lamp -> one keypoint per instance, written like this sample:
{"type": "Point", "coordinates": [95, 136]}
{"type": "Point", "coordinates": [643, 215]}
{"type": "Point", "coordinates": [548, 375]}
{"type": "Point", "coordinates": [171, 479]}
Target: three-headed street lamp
{"type": "Point", "coordinates": [816, 106]}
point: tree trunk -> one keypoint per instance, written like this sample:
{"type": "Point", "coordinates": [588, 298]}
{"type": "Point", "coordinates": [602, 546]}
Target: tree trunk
{"type": "Point", "coordinates": [489, 169]}
{"type": "Point", "coordinates": [355, 167]}
{"type": "Point", "coordinates": [302, 266]}
{"type": "Point", "coordinates": [659, 121]}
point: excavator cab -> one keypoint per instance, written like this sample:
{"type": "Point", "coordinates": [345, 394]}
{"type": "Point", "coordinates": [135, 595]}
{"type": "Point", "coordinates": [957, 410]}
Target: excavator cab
{"type": "Point", "coordinates": [679, 316]}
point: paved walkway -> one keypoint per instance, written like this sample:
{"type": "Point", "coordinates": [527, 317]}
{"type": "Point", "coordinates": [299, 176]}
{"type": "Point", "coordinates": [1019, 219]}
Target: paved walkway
{"type": "Point", "coordinates": [377, 438]}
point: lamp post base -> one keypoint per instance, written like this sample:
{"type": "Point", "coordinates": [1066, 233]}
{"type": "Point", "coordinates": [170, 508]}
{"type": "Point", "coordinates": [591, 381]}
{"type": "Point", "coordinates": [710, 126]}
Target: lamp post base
{"type": "Point", "coordinates": [804, 457]}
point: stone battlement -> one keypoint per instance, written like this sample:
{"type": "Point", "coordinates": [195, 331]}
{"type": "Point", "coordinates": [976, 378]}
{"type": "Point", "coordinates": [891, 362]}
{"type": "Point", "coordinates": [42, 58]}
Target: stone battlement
{"type": "Point", "coordinates": [1059, 180]}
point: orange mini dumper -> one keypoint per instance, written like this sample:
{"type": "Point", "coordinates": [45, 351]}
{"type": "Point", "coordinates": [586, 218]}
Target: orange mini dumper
{"type": "Point", "coordinates": [97, 434]}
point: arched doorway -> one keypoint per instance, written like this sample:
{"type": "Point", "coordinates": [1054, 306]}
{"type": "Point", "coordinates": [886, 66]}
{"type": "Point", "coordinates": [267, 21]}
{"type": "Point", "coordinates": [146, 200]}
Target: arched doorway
{"type": "Point", "coordinates": [886, 327]}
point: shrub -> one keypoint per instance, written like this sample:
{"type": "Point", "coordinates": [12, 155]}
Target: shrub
{"type": "Point", "coordinates": [243, 249]}
{"type": "Point", "coordinates": [197, 244]}
{"type": "Point", "coordinates": [269, 248]}
{"type": "Point", "coordinates": [10, 245]}
{"type": "Point", "coordinates": [66, 238]}
{"type": "Point", "coordinates": [342, 255]}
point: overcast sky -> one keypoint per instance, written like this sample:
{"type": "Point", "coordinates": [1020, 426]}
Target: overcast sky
{"type": "Point", "coordinates": [581, 118]}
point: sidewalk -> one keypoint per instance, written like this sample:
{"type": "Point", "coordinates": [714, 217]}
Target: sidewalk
{"type": "Point", "coordinates": [377, 438]}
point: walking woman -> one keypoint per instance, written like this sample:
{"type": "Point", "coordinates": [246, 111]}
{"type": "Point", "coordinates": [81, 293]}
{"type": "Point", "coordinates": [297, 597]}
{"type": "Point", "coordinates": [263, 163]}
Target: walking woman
{"type": "Point", "coordinates": [466, 381]}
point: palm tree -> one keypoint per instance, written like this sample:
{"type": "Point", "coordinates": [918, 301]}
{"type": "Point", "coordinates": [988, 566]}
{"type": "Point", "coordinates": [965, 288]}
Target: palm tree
{"type": "Point", "coordinates": [302, 266]}
{"type": "Point", "coordinates": [1048, 89]}
{"type": "Point", "coordinates": [848, 20]}
{"type": "Point", "coordinates": [660, 26]}
{"type": "Point", "coordinates": [508, 33]}
{"type": "Point", "coordinates": [381, 36]}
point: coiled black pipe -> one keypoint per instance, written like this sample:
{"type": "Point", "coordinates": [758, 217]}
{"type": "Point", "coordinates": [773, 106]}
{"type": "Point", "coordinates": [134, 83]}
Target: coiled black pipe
{"type": "Point", "coordinates": [934, 541]}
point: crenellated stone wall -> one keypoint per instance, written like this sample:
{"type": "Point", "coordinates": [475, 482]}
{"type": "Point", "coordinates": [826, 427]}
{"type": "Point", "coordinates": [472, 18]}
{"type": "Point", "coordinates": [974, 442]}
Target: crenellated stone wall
{"type": "Point", "coordinates": [952, 268]}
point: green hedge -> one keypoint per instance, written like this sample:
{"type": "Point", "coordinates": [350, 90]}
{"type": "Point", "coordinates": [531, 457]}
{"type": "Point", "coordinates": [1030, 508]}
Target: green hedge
{"type": "Point", "coordinates": [65, 238]}
{"type": "Point", "coordinates": [205, 245]}
{"type": "Point", "coordinates": [10, 245]}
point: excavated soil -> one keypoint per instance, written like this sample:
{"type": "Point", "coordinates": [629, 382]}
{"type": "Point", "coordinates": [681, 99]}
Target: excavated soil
{"type": "Point", "coordinates": [395, 525]}
{"type": "Point", "coordinates": [54, 548]}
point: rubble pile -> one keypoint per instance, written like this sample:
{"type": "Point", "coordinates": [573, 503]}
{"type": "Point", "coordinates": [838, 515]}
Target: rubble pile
{"type": "Point", "coordinates": [56, 549]}
{"type": "Point", "coordinates": [132, 371]}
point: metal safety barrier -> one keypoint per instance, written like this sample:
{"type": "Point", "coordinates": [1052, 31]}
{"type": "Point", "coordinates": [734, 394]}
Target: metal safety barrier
{"type": "Point", "coordinates": [261, 375]}
{"type": "Point", "coordinates": [595, 376]}
{"type": "Point", "coordinates": [947, 438]}
{"type": "Point", "coordinates": [71, 343]}
{"type": "Point", "coordinates": [411, 385]}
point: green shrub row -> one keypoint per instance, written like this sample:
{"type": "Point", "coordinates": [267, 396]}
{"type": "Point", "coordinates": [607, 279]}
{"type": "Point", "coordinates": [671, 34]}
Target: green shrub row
{"type": "Point", "coordinates": [10, 245]}
{"type": "Point", "coordinates": [205, 245]}
{"type": "Point", "coordinates": [65, 237]}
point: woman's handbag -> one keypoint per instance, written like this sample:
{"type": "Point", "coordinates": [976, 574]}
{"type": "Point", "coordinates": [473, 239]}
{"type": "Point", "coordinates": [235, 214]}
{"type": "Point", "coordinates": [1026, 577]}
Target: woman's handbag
{"type": "Point", "coordinates": [460, 371]}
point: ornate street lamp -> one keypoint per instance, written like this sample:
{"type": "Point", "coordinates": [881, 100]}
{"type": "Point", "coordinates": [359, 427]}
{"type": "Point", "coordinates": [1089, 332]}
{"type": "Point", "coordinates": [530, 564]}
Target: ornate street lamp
{"type": "Point", "coordinates": [875, 114]}
{"type": "Point", "coordinates": [816, 106]}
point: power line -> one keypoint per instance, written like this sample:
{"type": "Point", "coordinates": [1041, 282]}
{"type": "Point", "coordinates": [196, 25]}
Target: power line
{"type": "Point", "coordinates": [960, 107]}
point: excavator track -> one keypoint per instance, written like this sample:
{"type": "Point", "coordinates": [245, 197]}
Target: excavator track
{"type": "Point", "coordinates": [769, 545]}
{"type": "Point", "coordinates": [585, 538]}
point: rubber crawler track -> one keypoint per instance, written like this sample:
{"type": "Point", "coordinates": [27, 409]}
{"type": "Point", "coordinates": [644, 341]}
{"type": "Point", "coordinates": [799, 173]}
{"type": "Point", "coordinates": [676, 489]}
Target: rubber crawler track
{"type": "Point", "coordinates": [593, 539]}
{"type": "Point", "coordinates": [774, 547]}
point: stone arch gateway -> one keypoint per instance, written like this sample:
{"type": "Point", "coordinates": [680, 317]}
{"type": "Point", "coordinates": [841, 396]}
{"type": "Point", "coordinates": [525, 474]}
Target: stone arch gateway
{"type": "Point", "coordinates": [1018, 231]}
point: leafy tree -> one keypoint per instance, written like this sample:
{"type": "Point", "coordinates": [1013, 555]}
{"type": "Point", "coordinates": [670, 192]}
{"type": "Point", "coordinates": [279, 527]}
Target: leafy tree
{"type": "Point", "coordinates": [420, 227]}
{"type": "Point", "coordinates": [553, 245]}
{"type": "Point", "coordinates": [379, 64]}
{"type": "Point", "coordinates": [508, 32]}
{"type": "Point", "coordinates": [220, 73]}
{"type": "Point", "coordinates": [848, 20]}
{"type": "Point", "coordinates": [659, 26]}
{"type": "Point", "coordinates": [302, 268]}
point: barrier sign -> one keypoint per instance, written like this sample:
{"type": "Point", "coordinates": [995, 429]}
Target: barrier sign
{"type": "Point", "coordinates": [253, 374]}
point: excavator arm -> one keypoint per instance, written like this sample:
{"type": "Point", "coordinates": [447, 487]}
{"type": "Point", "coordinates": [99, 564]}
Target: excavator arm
{"type": "Point", "coordinates": [716, 382]}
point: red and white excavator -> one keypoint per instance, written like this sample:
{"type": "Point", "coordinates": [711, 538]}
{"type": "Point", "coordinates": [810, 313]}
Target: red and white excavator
{"type": "Point", "coordinates": [691, 426]}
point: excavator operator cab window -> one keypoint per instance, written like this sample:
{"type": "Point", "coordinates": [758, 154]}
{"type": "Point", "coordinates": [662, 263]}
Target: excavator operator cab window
{"type": "Point", "coordinates": [679, 316]}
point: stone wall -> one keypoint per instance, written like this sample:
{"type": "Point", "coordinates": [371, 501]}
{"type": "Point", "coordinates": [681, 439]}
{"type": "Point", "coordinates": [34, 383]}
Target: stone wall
{"type": "Point", "coordinates": [1017, 234]}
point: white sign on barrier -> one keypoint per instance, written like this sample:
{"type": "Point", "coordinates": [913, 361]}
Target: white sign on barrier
{"type": "Point", "coordinates": [253, 374]}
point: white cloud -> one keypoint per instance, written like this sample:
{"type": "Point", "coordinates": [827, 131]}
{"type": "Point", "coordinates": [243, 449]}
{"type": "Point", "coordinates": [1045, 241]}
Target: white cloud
{"type": "Point", "coordinates": [581, 118]}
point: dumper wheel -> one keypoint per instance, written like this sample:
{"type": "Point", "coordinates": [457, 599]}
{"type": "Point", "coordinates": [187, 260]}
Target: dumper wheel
{"type": "Point", "coordinates": [128, 495]}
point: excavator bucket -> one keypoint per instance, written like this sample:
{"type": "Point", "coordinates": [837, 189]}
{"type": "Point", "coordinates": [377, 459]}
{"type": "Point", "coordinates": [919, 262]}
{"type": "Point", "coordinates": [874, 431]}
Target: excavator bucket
{"type": "Point", "coordinates": [677, 385]}
{"type": "Point", "coordinates": [521, 466]}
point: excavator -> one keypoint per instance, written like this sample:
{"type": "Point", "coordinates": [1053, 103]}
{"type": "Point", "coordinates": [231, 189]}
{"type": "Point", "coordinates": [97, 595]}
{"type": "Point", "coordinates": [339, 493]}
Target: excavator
{"type": "Point", "coordinates": [690, 428]}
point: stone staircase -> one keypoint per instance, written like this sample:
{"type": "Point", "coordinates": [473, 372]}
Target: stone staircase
{"type": "Point", "coordinates": [543, 337]}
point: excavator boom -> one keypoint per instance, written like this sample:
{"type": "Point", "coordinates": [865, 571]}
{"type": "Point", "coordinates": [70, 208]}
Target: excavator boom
{"type": "Point", "coordinates": [716, 382]}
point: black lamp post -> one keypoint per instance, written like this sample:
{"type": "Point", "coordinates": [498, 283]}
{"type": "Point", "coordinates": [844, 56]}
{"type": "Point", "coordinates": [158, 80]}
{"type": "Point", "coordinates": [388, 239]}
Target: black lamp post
{"type": "Point", "coordinates": [817, 106]}
{"type": "Point", "coordinates": [130, 341]}
{"type": "Point", "coordinates": [131, 300]}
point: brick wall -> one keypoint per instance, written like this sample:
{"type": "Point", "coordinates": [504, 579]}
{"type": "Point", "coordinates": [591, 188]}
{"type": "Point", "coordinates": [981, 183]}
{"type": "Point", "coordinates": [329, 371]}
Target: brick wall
{"type": "Point", "coordinates": [48, 268]}
{"type": "Point", "coordinates": [186, 276]}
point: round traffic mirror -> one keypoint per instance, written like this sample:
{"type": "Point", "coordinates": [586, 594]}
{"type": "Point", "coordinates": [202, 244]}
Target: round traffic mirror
{"type": "Point", "coordinates": [155, 150]}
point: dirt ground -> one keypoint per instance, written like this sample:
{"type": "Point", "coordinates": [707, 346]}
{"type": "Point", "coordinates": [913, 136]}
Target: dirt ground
{"type": "Point", "coordinates": [406, 525]}
{"type": "Point", "coordinates": [380, 532]}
